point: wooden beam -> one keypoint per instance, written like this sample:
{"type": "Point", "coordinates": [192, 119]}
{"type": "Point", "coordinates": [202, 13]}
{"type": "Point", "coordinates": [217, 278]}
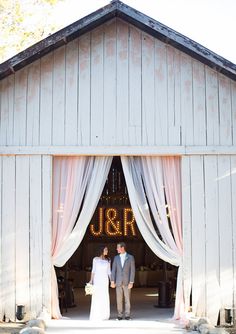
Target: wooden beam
{"type": "Point", "coordinates": [118, 150]}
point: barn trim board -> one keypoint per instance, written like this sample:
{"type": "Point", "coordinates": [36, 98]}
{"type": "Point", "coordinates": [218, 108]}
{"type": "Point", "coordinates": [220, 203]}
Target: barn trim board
{"type": "Point", "coordinates": [118, 150]}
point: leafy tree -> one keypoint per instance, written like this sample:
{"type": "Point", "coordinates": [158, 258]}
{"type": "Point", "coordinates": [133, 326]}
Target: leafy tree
{"type": "Point", "coordinates": [23, 23]}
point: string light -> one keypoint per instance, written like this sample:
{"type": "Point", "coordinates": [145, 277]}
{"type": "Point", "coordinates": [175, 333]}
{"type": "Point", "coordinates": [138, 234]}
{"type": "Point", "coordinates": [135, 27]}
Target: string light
{"type": "Point", "coordinates": [100, 224]}
{"type": "Point", "coordinates": [109, 223]}
{"type": "Point", "coordinates": [129, 223]}
{"type": "Point", "coordinates": [61, 208]}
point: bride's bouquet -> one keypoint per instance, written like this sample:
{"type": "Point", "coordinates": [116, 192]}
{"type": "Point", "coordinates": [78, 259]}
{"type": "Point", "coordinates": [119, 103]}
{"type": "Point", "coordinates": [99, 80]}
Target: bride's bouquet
{"type": "Point", "coordinates": [89, 289]}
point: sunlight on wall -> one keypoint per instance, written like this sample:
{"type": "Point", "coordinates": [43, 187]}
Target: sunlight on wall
{"type": "Point", "coordinates": [226, 288]}
{"type": "Point", "coordinates": [213, 297]}
{"type": "Point", "coordinates": [227, 174]}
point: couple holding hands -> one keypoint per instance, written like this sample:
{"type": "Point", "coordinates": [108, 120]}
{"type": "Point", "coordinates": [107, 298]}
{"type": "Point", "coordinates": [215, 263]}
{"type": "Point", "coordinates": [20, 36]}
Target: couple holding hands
{"type": "Point", "coordinates": [121, 277]}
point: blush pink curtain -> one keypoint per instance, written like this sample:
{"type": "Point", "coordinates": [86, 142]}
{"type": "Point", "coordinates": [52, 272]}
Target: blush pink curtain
{"type": "Point", "coordinates": [155, 178]}
{"type": "Point", "coordinates": [172, 181]}
{"type": "Point", "coordinates": [77, 186]}
{"type": "Point", "coordinates": [162, 178]}
{"type": "Point", "coordinates": [70, 176]}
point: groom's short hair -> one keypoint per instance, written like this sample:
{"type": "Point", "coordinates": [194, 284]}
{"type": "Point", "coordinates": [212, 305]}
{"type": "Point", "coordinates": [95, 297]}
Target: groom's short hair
{"type": "Point", "coordinates": [122, 244]}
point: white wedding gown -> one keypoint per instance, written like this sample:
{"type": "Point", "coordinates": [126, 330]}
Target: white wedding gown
{"type": "Point", "coordinates": [100, 304]}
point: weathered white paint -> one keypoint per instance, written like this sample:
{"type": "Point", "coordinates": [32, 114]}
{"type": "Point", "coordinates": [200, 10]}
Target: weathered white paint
{"type": "Point", "coordinates": [109, 83]}
{"type": "Point", "coordinates": [22, 233]}
{"type": "Point", "coordinates": [33, 99]}
{"type": "Point", "coordinates": [71, 91]}
{"type": "Point", "coordinates": [225, 229]}
{"type": "Point", "coordinates": [25, 234]}
{"type": "Point", "coordinates": [135, 86]}
{"type": "Point", "coordinates": [36, 235]}
{"type": "Point", "coordinates": [122, 111]}
{"type": "Point", "coordinates": [20, 107]}
{"type": "Point", "coordinates": [97, 87]}
{"type": "Point", "coordinates": [83, 97]}
{"type": "Point", "coordinates": [117, 85]}
{"type": "Point", "coordinates": [46, 98]}
{"type": "Point", "coordinates": [212, 107]}
{"type": "Point", "coordinates": [174, 96]}
{"type": "Point", "coordinates": [199, 104]}
{"type": "Point", "coordinates": [8, 270]}
{"type": "Point", "coordinates": [186, 228]}
{"type": "Point", "coordinates": [148, 90]}
{"type": "Point", "coordinates": [161, 94]}
{"type": "Point", "coordinates": [225, 116]}
{"type": "Point", "coordinates": [46, 230]}
{"type": "Point", "coordinates": [186, 83]}
{"type": "Point", "coordinates": [211, 232]}
{"type": "Point", "coordinates": [118, 150]}
{"type": "Point", "coordinates": [58, 102]}
{"type": "Point", "coordinates": [198, 234]}
{"type": "Point", "coordinates": [233, 93]}
{"type": "Point", "coordinates": [211, 206]}
{"type": "Point", "coordinates": [233, 178]}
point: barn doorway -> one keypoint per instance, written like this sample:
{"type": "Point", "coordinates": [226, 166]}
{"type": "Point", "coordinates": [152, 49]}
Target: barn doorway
{"type": "Point", "coordinates": [153, 294]}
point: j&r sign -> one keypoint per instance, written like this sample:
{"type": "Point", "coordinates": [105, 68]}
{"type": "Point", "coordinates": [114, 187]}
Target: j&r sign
{"type": "Point", "coordinates": [114, 222]}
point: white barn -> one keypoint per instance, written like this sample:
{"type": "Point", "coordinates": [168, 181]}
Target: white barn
{"type": "Point", "coordinates": [117, 83]}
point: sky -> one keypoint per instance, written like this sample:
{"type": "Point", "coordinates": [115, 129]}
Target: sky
{"type": "Point", "coordinates": [211, 23]}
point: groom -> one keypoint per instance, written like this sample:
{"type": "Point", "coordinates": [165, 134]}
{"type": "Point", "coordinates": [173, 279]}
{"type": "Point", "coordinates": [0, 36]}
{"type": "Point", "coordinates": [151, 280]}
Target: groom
{"type": "Point", "coordinates": [122, 278]}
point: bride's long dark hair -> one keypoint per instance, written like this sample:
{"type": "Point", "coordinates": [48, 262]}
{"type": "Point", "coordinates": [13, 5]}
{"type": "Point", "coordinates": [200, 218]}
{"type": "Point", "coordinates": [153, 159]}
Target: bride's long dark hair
{"type": "Point", "coordinates": [100, 252]}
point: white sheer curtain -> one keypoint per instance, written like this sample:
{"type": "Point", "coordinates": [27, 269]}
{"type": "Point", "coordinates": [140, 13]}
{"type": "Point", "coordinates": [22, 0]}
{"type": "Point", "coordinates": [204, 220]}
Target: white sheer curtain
{"type": "Point", "coordinates": [77, 185]}
{"type": "Point", "coordinates": [144, 177]}
{"type": "Point", "coordinates": [152, 175]}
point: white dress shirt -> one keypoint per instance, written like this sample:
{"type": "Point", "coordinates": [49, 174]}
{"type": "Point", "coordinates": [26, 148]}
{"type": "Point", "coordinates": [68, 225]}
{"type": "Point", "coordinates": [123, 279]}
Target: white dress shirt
{"type": "Point", "coordinates": [122, 259]}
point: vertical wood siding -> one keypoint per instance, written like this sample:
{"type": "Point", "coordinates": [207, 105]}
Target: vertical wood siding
{"type": "Point", "coordinates": [209, 212]}
{"type": "Point", "coordinates": [198, 231]}
{"type": "Point", "coordinates": [25, 234]}
{"type": "Point", "coordinates": [8, 269]}
{"type": "Point", "coordinates": [187, 228]}
{"type": "Point", "coordinates": [117, 85]}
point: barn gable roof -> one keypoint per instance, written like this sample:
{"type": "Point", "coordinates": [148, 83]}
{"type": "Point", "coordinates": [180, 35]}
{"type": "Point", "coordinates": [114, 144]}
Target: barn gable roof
{"type": "Point", "coordinates": [118, 9]}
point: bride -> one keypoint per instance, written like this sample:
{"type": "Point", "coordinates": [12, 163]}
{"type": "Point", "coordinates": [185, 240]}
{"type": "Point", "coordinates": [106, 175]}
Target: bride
{"type": "Point", "coordinates": [100, 275]}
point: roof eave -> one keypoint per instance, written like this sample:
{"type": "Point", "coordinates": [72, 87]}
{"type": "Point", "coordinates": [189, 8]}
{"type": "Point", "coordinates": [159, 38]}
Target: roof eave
{"type": "Point", "coordinates": [58, 39]}
{"type": "Point", "coordinates": [125, 12]}
{"type": "Point", "coordinates": [179, 41]}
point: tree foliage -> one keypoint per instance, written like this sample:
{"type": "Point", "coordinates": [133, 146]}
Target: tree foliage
{"type": "Point", "coordinates": [23, 23]}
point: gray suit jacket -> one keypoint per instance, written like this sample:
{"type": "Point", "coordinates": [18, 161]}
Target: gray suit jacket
{"type": "Point", "coordinates": [125, 275]}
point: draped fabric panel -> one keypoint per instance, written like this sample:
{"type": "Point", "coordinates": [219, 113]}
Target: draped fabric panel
{"type": "Point", "coordinates": [77, 185]}
{"type": "Point", "coordinates": [146, 183]}
{"type": "Point", "coordinates": [173, 191]}
{"type": "Point", "coordinates": [172, 181]}
{"type": "Point", "coordinates": [133, 177]}
{"type": "Point", "coordinates": [70, 177]}
{"type": "Point", "coordinates": [153, 178]}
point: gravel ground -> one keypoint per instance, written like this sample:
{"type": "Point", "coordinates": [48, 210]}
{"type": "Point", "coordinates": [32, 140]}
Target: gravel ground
{"type": "Point", "coordinates": [231, 330]}
{"type": "Point", "coordinates": [11, 328]}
